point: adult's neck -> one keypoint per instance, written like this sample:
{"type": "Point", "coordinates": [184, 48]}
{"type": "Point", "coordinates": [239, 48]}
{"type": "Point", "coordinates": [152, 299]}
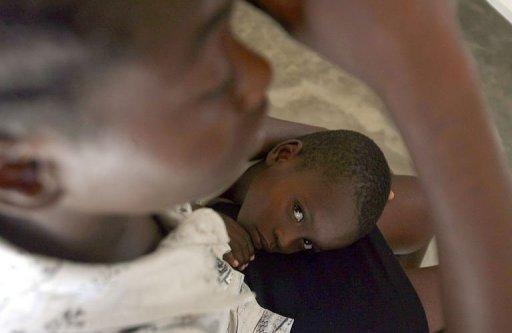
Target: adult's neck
{"type": "Point", "coordinates": [80, 237]}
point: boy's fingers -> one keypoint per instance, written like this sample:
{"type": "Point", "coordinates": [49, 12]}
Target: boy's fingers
{"type": "Point", "coordinates": [244, 254]}
{"type": "Point", "coordinates": [246, 244]}
{"type": "Point", "coordinates": [241, 245]}
{"type": "Point", "coordinates": [238, 252]}
{"type": "Point", "coordinates": [241, 250]}
{"type": "Point", "coordinates": [234, 259]}
{"type": "Point", "coordinates": [249, 250]}
{"type": "Point", "coordinates": [249, 244]}
{"type": "Point", "coordinates": [229, 257]}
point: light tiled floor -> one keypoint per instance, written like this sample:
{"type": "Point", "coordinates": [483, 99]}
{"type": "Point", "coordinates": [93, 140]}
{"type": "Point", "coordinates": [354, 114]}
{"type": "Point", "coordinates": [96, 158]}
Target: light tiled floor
{"type": "Point", "coordinates": [308, 89]}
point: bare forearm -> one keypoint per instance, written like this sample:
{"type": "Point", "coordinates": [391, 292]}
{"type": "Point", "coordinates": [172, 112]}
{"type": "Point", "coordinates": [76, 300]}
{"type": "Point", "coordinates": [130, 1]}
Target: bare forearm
{"type": "Point", "coordinates": [277, 130]}
{"type": "Point", "coordinates": [438, 108]}
{"type": "Point", "coordinates": [426, 80]}
{"type": "Point", "coordinates": [409, 51]}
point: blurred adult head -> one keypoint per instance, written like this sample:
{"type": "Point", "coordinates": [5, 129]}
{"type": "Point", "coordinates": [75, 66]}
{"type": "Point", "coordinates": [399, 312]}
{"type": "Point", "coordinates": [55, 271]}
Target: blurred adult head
{"type": "Point", "coordinates": [123, 106]}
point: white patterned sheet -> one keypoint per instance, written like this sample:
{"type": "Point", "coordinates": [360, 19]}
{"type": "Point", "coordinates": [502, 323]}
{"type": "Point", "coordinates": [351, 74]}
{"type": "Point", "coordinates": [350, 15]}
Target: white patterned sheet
{"type": "Point", "coordinates": [180, 287]}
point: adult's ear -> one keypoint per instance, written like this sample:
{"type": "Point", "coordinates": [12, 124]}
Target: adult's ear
{"type": "Point", "coordinates": [284, 151]}
{"type": "Point", "coordinates": [26, 181]}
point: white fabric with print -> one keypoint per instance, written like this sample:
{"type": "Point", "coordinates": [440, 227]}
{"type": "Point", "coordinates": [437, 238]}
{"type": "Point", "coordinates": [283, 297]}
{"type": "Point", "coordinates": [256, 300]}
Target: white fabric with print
{"type": "Point", "coordinates": [180, 287]}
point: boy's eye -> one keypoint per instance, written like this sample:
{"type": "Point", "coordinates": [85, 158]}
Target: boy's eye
{"type": "Point", "coordinates": [298, 214]}
{"type": "Point", "coordinates": [308, 245]}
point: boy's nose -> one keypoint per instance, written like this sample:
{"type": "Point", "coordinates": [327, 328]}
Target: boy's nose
{"type": "Point", "coordinates": [286, 242]}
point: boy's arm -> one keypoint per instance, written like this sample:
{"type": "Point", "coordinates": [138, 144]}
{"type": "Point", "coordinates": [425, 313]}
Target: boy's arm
{"type": "Point", "coordinates": [427, 284]}
{"type": "Point", "coordinates": [406, 221]}
{"type": "Point", "coordinates": [242, 248]}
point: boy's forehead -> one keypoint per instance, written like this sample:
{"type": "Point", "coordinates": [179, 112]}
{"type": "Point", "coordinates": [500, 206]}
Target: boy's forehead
{"type": "Point", "coordinates": [325, 192]}
{"type": "Point", "coordinates": [335, 231]}
{"type": "Point", "coordinates": [334, 215]}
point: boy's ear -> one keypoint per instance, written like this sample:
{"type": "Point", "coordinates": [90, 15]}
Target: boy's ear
{"type": "Point", "coordinates": [26, 182]}
{"type": "Point", "coordinates": [284, 151]}
{"type": "Point", "coordinates": [391, 195]}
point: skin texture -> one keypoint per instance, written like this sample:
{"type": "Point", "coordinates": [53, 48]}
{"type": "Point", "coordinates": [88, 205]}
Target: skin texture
{"type": "Point", "coordinates": [240, 242]}
{"type": "Point", "coordinates": [274, 132]}
{"type": "Point", "coordinates": [427, 283]}
{"type": "Point", "coordinates": [179, 118]}
{"type": "Point", "coordinates": [429, 86]}
{"type": "Point", "coordinates": [407, 226]}
{"type": "Point", "coordinates": [427, 83]}
{"type": "Point", "coordinates": [406, 222]}
{"type": "Point", "coordinates": [285, 209]}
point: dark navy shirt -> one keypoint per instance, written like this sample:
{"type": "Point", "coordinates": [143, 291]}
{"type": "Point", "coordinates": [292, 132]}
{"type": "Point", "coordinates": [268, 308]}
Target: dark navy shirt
{"type": "Point", "coordinates": [361, 288]}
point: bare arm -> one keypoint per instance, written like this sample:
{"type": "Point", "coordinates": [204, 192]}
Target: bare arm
{"type": "Point", "coordinates": [274, 131]}
{"type": "Point", "coordinates": [406, 222]}
{"type": "Point", "coordinates": [277, 130]}
{"type": "Point", "coordinates": [409, 51]}
{"type": "Point", "coordinates": [457, 157]}
{"type": "Point", "coordinates": [426, 282]}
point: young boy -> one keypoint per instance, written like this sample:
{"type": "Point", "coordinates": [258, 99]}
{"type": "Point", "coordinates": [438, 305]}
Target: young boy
{"type": "Point", "coordinates": [319, 192]}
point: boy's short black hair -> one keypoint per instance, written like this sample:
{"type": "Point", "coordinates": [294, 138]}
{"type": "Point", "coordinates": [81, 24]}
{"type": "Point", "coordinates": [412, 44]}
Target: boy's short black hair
{"type": "Point", "coordinates": [344, 154]}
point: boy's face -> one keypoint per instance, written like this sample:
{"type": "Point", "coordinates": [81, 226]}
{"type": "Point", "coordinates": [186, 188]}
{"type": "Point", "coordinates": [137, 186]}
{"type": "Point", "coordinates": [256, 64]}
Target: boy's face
{"type": "Point", "coordinates": [287, 211]}
{"type": "Point", "coordinates": [177, 122]}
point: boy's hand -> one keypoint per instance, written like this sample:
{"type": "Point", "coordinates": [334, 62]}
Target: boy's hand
{"type": "Point", "coordinates": [242, 249]}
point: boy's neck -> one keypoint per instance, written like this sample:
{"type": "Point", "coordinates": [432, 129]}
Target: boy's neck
{"type": "Point", "coordinates": [81, 237]}
{"type": "Point", "coordinates": [238, 191]}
